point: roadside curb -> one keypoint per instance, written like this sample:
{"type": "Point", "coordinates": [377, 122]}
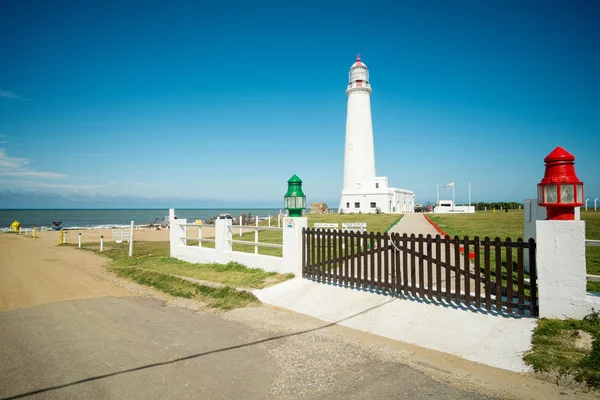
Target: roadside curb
{"type": "Point", "coordinates": [441, 232]}
{"type": "Point", "coordinates": [394, 224]}
{"type": "Point", "coordinates": [435, 226]}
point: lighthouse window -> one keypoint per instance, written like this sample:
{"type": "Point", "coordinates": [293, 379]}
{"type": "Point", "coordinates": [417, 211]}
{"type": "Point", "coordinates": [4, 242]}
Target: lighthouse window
{"type": "Point", "coordinates": [347, 205]}
{"type": "Point", "coordinates": [356, 205]}
{"type": "Point", "coordinates": [373, 205]}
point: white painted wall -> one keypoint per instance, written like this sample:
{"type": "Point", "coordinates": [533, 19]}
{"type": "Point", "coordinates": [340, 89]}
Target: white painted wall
{"type": "Point", "coordinates": [446, 207]}
{"type": "Point", "coordinates": [376, 190]}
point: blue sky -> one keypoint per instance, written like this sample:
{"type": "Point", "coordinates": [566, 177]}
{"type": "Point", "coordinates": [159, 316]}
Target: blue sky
{"type": "Point", "coordinates": [224, 101]}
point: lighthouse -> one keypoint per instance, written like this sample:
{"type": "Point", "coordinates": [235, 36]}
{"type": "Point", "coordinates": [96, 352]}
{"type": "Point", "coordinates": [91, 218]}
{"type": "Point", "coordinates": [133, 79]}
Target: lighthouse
{"type": "Point", "coordinates": [363, 191]}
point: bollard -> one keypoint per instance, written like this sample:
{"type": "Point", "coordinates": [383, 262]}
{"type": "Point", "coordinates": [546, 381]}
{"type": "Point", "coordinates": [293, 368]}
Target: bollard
{"type": "Point", "coordinates": [101, 242]}
{"type": "Point", "coordinates": [34, 232]}
{"type": "Point", "coordinates": [19, 230]}
{"type": "Point", "coordinates": [79, 239]}
{"type": "Point", "coordinates": [61, 237]}
{"type": "Point", "coordinates": [241, 221]}
{"type": "Point", "coordinates": [269, 220]}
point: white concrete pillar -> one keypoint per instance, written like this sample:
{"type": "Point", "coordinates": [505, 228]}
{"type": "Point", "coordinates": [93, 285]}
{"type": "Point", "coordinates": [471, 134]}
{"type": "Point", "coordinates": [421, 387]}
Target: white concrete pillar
{"type": "Point", "coordinates": [171, 217]}
{"type": "Point", "coordinates": [292, 244]}
{"type": "Point", "coordinates": [531, 215]}
{"type": "Point", "coordinates": [561, 269]}
{"type": "Point", "coordinates": [176, 233]}
{"type": "Point", "coordinates": [223, 235]}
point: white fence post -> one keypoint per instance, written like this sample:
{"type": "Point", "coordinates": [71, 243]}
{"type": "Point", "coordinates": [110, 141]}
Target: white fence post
{"type": "Point", "coordinates": [223, 235]}
{"type": "Point", "coordinates": [561, 269]}
{"type": "Point", "coordinates": [292, 244]}
{"type": "Point", "coordinates": [269, 220]}
{"type": "Point", "coordinates": [101, 243]}
{"type": "Point", "coordinates": [241, 225]}
{"type": "Point", "coordinates": [176, 231]}
{"type": "Point", "coordinates": [199, 236]}
{"type": "Point", "coordinates": [256, 236]}
{"type": "Point", "coordinates": [79, 239]}
{"type": "Point", "coordinates": [131, 240]}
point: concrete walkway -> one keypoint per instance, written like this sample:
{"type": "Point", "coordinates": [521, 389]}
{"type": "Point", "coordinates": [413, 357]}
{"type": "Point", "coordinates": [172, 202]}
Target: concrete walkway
{"type": "Point", "coordinates": [493, 340]}
{"type": "Point", "coordinates": [414, 223]}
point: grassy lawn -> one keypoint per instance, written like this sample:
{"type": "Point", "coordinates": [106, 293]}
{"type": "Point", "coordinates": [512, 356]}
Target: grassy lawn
{"type": "Point", "coordinates": [510, 224]}
{"type": "Point", "coordinates": [482, 224]}
{"type": "Point", "coordinates": [154, 256]}
{"type": "Point", "coordinates": [557, 347]}
{"type": "Point", "coordinates": [223, 298]}
{"type": "Point", "coordinates": [375, 222]}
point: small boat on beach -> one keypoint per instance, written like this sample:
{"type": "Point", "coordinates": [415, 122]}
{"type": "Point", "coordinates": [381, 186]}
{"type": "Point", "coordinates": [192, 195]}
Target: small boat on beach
{"type": "Point", "coordinates": [57, 226]}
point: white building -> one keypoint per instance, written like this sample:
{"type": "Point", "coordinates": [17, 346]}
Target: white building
{"type": "Point", "coordinates": [363, 191]}
{"type": "Point", "coordinates": [448, 207]}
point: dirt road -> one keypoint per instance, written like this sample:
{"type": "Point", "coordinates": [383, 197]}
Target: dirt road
{"type": "Point", "coordinates": [70, 330]}
{"type": "Point", "coordinates": [34, 272]}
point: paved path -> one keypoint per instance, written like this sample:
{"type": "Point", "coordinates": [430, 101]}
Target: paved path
{"type": "Point", "coordinates": [414, 223]}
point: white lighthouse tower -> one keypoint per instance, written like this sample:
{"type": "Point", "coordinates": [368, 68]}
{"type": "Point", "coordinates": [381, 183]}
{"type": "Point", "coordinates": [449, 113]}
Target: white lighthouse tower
{"type": "Point", "coordinates": [363, 191]}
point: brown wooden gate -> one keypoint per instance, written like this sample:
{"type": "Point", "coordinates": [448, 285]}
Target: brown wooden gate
{"type": "Point", "coordinates": [473, 273]}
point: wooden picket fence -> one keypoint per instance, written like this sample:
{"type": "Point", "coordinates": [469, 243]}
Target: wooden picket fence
{"type": "Point", "coordinates": [477, 274]}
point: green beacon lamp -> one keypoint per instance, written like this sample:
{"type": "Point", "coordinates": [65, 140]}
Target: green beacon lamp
{"type": "Point", "coordinates": [294, 199]}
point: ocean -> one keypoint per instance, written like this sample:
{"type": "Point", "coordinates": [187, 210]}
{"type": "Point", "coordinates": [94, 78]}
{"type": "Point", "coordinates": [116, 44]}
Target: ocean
{"type": "Point", "coordinates": [96, 218]}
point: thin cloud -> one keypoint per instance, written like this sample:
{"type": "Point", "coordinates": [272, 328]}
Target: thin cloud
{"type": "Point", "coordinates": [17, 167]}
{"type": "Point", "coordinates": [7, 162]}
{"type": "Point", "coordinates": [33, 174]}
{"type": "Point", "coordinates": [11, 95]}
{"type": "Point", "coordinates": [28, 184]}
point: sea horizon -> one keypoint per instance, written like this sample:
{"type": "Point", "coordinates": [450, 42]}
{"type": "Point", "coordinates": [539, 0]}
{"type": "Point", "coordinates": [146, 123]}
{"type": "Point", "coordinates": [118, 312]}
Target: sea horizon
{"type": "Point", "coordinates": [97, 218]}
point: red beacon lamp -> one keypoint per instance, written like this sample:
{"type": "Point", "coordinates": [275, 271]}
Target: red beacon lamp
{"type": "Point", "coordinates": [560, 190]}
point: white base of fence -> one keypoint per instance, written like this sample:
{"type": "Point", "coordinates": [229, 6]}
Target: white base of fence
{"type": "Point", "coordinates": [196, 254]}
{"type": "Point", "coordinates": [492, 340]}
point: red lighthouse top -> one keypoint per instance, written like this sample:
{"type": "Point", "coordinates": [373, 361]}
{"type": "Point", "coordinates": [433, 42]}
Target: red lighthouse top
{"type": "Point", "coordinates": [358, 60]}
{"type": "Point", "coordinates": [560, 167]}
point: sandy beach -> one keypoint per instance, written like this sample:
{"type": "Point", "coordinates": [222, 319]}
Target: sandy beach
{"type": "Point", "coordinates": [141, 235]}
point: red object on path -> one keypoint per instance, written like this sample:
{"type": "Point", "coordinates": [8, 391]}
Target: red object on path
{"type": "Point", "coordinates": [560, 190]}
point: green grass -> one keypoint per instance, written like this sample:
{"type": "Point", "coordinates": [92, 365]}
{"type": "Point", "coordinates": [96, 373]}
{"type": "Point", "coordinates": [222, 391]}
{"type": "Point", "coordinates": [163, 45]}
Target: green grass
{"type": "Point", "coordinates": [375, 222]}
{"type": "Point", "coordinates": [154, 256]}
{"type": "Point", "coordinates": [223, 298]}
{"type": "Point", "coordinates": [553, 349]}
{"type": "Point", "coordinates": [482, 223]}
{"type": "Point", "coordinates": [510, 224]}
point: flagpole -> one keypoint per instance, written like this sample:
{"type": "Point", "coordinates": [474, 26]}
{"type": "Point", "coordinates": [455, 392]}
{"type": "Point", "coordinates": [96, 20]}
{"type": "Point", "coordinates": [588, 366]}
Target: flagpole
{"type": "Point", "coordinates": [469, 194]}
{"type": "Point", "coordinates": [452, 196]}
